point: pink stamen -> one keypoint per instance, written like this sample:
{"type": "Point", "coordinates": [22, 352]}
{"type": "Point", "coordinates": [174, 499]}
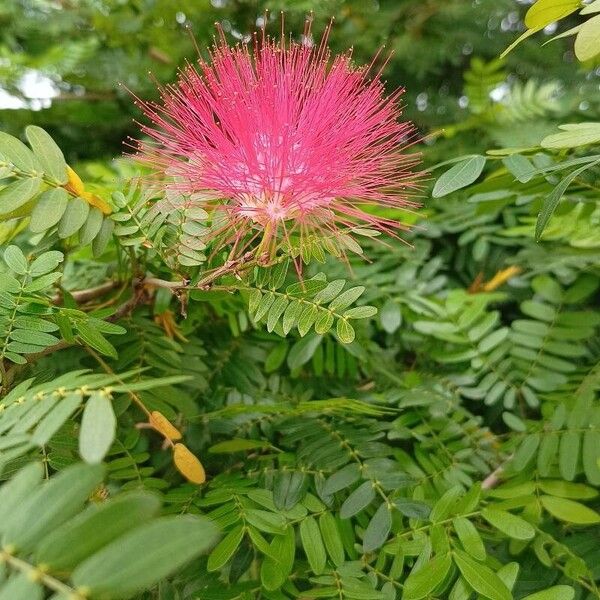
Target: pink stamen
{"type": "Point", "coordinates": [283, 136]}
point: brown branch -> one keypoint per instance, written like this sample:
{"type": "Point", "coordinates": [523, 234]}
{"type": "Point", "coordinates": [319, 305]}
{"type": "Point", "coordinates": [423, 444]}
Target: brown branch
{"type": "Point", "coordinates": [247, 261]}
{"type": "Point", "coordinates": [11, 372]}
{"type": "Point", "coordinates": [88, 294]}
{"type": "Point", "coordinates": [129, 305]}
{"type": "Point", "coordinates": [495, 477]}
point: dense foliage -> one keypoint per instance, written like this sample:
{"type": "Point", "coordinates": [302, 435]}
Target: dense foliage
{"type": "Point", "coordinates": [348, 416]}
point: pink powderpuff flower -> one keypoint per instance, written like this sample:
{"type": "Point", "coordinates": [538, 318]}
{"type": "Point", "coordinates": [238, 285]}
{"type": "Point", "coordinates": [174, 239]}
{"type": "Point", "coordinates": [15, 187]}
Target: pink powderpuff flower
{"type": "Point", "coordinates": [286, 140]}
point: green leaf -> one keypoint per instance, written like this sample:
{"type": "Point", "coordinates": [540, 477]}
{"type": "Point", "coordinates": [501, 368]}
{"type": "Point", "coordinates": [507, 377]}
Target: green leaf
{"type": "Point", "coordinates": [307, 319]}
{"type": "Point", "coordinates": [459, 176]}
{"type": "Point", "coordinates": [259, 541]}
{"type": "Point", "coordinates": [291, 315]}
{"type": "Point", "coordinates": [330, 292]}
{"type": "Point", "coordinates": [566, 489]}
{"type": "Point", "coordinates": [8, 283]}
{"type": "Point", "coordinates": [538, 310]}
{"type": "Point", "coordinates": [469, 537]}
{"type": "Point", "coordinates": [275, 312]}
{"type": "Point", "coordinates": [277, 566]}
{"type": "Point", "coordinates": [378, 529]}
{"type": "Point", "coordinates": [49, 209]}
{"type": "Point", "coordinates": [56, 418]}
{"type": "Point", "coordinates": [345, 331]}
{"type": "Point", "coordinates": [37, 338]}
{"type": "Point", "coordinates": [331, 538]}
{"type": "Point", "coordinates": [587, 42]}
{"type": "Point", "coordinates": [265, 521]}
{"type": "Point", "coordinates": [460, 590]}
{"type": "Point", "coordinates": [341, 479]}
{"type": "Point", "coordinates": [73, 218]}
{"type": "Point", "coordinates": [263, 306]}
{"type": "Point", "coordinates": [95, 339]}
{"type": "Point", "coordinates": [21, 587]}
{"type": "Point", "coordinates": [494, 339]}
{"type": "Point", "coordinates": [514, 422]}
{"type": "Point", "coordinates": [345, 299]}
{"type": "Point", "coordinates": [18, 193]}
{"type": "Point", "coordinates": [52, 504]}
{"type": "Point", "coordinates": [91, 227]}
{"type": "Point", "coordinates": [302, 351]}
{"type": "Point", "coordinates": [570, 511]}
{"type": "Point", "coordinates": [324, 322]}
{"type": "Point", "coordinates": [276, 357]}
{"type": "Point", "coordinates": [98, 428]}
{"type": "Point", "coordinates": [574, 135]}
{"type": "Point", "coordinates": [18, 490]}
{"type": "Point", "coordinates": [423, 582]}
{"type": "Point", "coordinates": [552, 200]}
{"type": "Point", "coordinates": [591, 456]}
{"type": "Point", "coordinates": [48, 154]}
{"type": "Point", "coordinates": [160, 548]}
{"type": "Point", "coordinates": [549, 288]}
{"type": "Point", "coordinates": [360, 312]}
{"type": "Point", "coordinates": [43, 282]}
{"type": "Point", "coordinates": [104, 235]}
{"type": "Point", "coordinates": [568, 454]}
{"type": "Point", "coordinates": [520, 166]}
{"type": "Point", "coordinates": [19, 154]}
{"type": "Point", "coordinates": [556, 592]}
{"type": "Point", "coordinates": [237, 445]}
{"type": "Point", "coordinates": [254, 298]}
{"type": "Point", "coordinates": [513, 526]}
{"type": "Point", "coordinates": [288, 489]}
{"type": "Point", "coordinates": [97, 526]}
{"type": "Point", "coordinates": [313, 545]}
{"type": "Point", "coordinates": [414, 509]}
{"type": "Point", "coordinates": [306, 288]}
{"type": "Point", "coordinates": [390, 316]}
{"type": "Point", "coordinates": [45, 263]}
{"type": "Point", "coordinates": [526, 451]}
{"type": "Point", "coordinates": [446, 505]}
{"type": "Point", "coordinates": [508, 573]}
{"type": "Point", "coordinates": [359, 499]}
{"type": "Point", "coordinates": [15, 259]}
{"type": "Point", "coordinates": [481, 578]}
{"type": "Point", "coordinates": [278, 274]}
{"type": "Point", "coordinates": [224, 550]}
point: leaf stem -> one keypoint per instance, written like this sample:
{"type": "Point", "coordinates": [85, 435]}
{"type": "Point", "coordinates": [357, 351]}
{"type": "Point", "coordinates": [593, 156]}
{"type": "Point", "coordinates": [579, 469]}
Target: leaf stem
{"type": "Point", "coordinates": [37, 574]}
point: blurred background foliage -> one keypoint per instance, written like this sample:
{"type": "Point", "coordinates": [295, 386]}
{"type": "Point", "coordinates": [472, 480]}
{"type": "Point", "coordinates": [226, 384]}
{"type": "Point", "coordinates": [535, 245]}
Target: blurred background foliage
{"type": "Point", "coordinates": [62, 63]}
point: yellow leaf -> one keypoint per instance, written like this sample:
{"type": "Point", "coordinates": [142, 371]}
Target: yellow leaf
{"type": "Point", "coordinates": [500, 278]}
{"type": "Point", "coordinates": [167, 321]}
{"type": "Point", "coordinates": [76, 188]}
{"type": "Point", "coordinates": [544, 12]}
{"type": "Point", "coordinates": [188, 464]}
{"type": "Point", "coordinates": [523, 36]}
{"type": "Point", "coordinates": [74, 185]}
{"type": "Point", "coordinates": [589, 9]}
{"type": "Point", "coordinates": [587, 42]}
{"type": "Point", "coordinates": [97, 202]}
{"type": "Point", "coordinates": [164, 426]}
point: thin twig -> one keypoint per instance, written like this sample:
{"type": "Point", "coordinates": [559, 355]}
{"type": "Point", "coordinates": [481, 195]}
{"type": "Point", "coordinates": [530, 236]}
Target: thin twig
{"type": "Point", "coordinates": [495, 477]}
{"type": "Point", "coordinates": [90, 293]}
{"type": "Point", "coordinates": [245, 262]}
{"type": "Point", "coordinates": [36, 574]}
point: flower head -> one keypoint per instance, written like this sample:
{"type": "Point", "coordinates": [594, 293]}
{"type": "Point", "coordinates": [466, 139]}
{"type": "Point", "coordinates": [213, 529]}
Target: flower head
{"type": "Point", "coordinates": [286, 139]}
